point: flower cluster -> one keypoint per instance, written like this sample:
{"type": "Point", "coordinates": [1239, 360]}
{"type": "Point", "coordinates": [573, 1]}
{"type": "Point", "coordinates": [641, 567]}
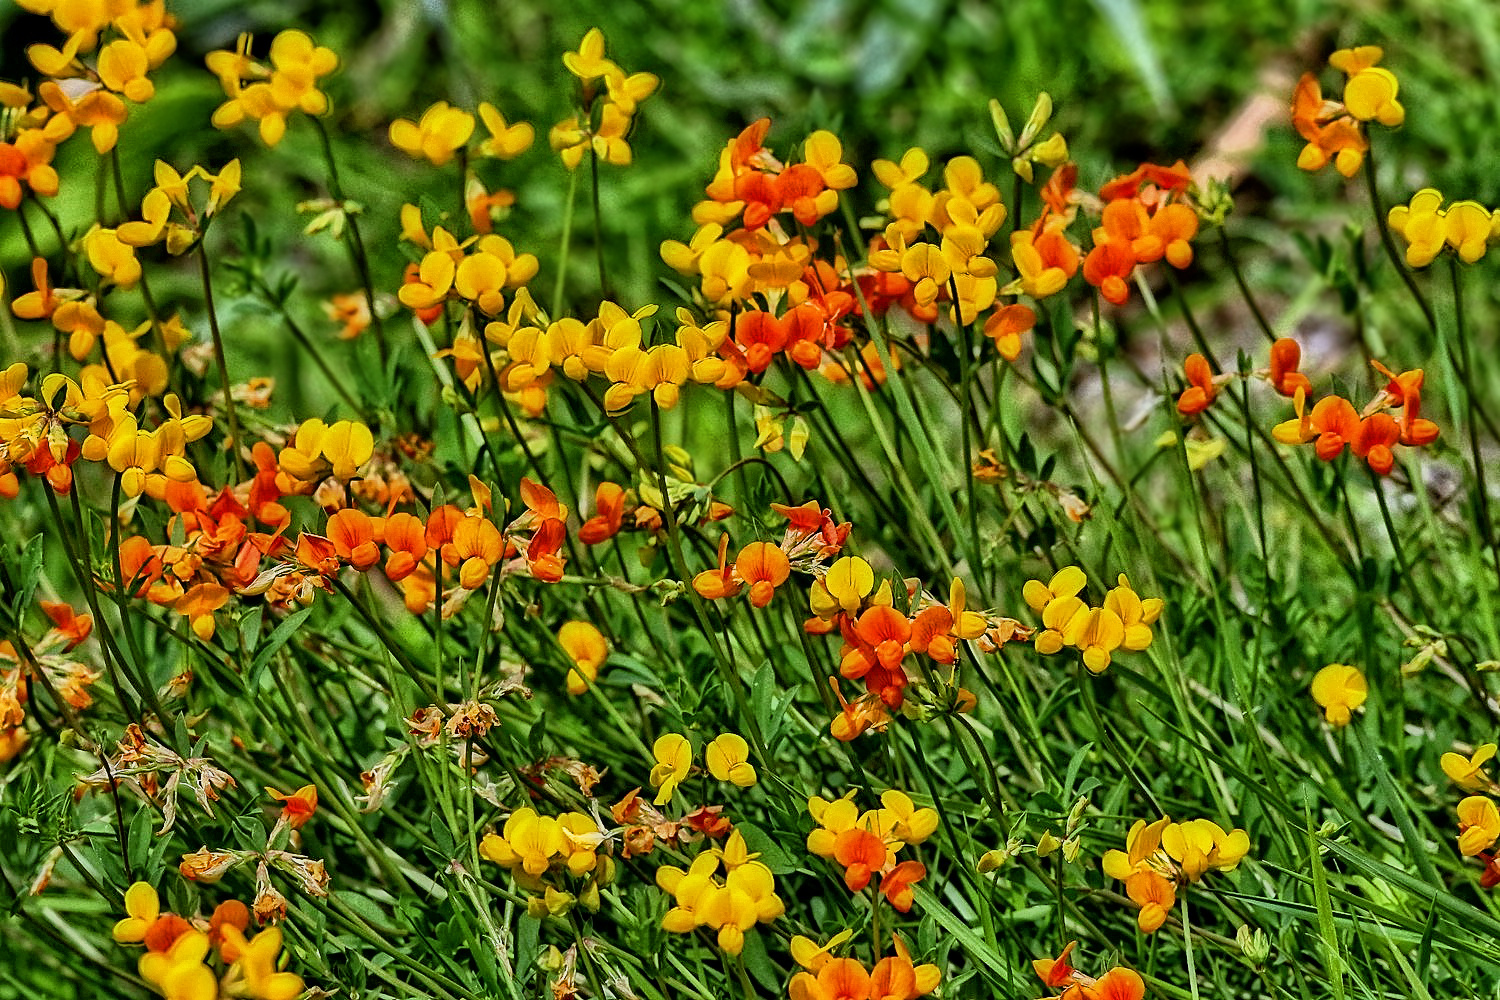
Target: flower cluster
{"type": "Point", "coordinates": [35, 431]}
{"type": "Point", "coordinates": [727, 757]}
{"type": "Point", "coordinates": [52, 657]}
{"type": "Point", "coordinates": [1333, 129]}
{"type": "Point", "coordinates": [1465, 227]}
{"type": "Point", "coordinates": [1123, 621]}
{"type": "Point", "coordinates": [1204, 384]}
{"type": "Point", "coordinates": [614, 104]}
{"type": "Point", "coordinates": [1373, 434]}
{"type": "Point", "coordinates": [865, 844]}
{"type": "Point", "coordinates": [1163, 855]}
{"type": "Point", "coordinates": [1478, 817]}
{"type": "Point", "coordinates": [451, 271]}
{"type": "Point", "coordinates": [1146, 219]}
{"type": "Point", "coordinates": [538, 850]}
{"type": "Point", "coordinates": [268, 94]}
{"type": "Point", "coordinates": [826, 977]}
{"type": "Point", "coordinates": [745, 897]}
{"type": "Point", "coordinates": [198, 959]}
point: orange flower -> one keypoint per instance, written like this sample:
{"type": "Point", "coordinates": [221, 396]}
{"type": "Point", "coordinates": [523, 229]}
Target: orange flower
{"type": "Point", "coordinates": [764, 566]}
{"type": "Point", "coordinates": [199, 604]}
{"type": "Point", "coordinates": [1107, 267]}
{"type": "Point", "coordinates": [1405, 390]}
{"type": "Point", "coordinates": [297, 807]}
{"type": "Point", "coordinates": [609, 504]}
{"type": "Point", "coordinates": [65, 622]}
{"type": "Point", "coordinates": [862, 854]}
{"type": "Point", "coordinates": [1119, 983]}
{"type": "Point", "coordinates": [897, 883]}
{"type": "Point", "coordinates": [1286, 354]}
{"type": "Point", "coordinates": [1155, 895]}
{"type": "Point", "coordinates": [1055, 972]}
{"type": "Point", "coordinates": [1005, 327]}
{"type": "Point", "coordinates": [1373, 441]}
{"type": "Point", "coordinates": [406, 539]}
{"type": "Point", "coordinates": [713, 584]}
{"type": "Point", "coordinates": [352, 533]}
{"type": "Point", "coordinates": [1197, 397]}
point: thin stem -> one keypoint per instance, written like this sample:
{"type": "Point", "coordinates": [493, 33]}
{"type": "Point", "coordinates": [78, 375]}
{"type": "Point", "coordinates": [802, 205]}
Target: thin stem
{"type": "Point", "coordinates": [562, 250]}
{"type": "Point", "coordinates": [598, 223]}
{"type": "Point", "coordinates": [1482, 498]}
{"type": "Point", "coordinates": [1390, 244]}
{"type": "Point", "coordinates": [356, 244]}
{"type": "Point", "coordinates": [219, 360]}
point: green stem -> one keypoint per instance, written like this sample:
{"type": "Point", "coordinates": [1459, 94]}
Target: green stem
{"type": "Point", "coordinates": [1390, 244]}
{"type": "Point", "coordinates": [562, 250]}
{"type": "Point", "coordinates": [221, 362]}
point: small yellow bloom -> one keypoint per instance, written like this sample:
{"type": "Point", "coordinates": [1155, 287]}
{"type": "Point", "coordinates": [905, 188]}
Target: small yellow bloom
{"type": "Point", "coordinates": [587, 648]}
{"type": "Point", "coordinates": [1479, 825]}
{"type": "Point", "coordinates": [1468, 772]}
{"type": "Point", "coordinates": [441, 132]}
{"type": "Point", "coordinates": [728, 759]}
{"type": "Point", "coordinates": [674, 758]}
{"type": "Point", "coordinates": [1339, 689]}
{"type": "Point", "coordinates": [506, 141]}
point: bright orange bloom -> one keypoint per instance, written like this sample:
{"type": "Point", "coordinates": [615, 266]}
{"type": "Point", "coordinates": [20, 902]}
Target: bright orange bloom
{"type": "Point", "coordinates": [1155, 895]}
{"type": "Point", "coordinates": [1005, 327]}
{"type": "Point", "coordinates": [713, 584]}
{"type": "Point", "coordinates": [405, 538]}
{"type": "Point", "coordinates": [764, 566]}
{"type": "Point", "coordinates": [1286, 355]}
{"type": "Point", "coordinates": [352, 533]}
{"type": "Point", "coordinates": [1055, 972]}
{"type": "Point", "coordinates": [199, 604]}
{"type": "Point", "coordinates": [297, 807]}
{"type": "Point", "coordinates": [609, 504]}
{"type": "Point", "coordinates": [1197, 397]}
{"type": "Point", "coordinates": [880, 635]}
{"type": "Point", "coordinates": [862, 854]}
{"type": "Point", "coordinates": [1107, 267]}
{"type": "Point", "coordinates": [1119, 983]}
{"type": "Point", "coordinates": [1405, 390]}
{"type": "Point", "coordinates": [65, 622]}
{"type": "Point", "coordinates": [1376, 435]}
{"type": "Point", "coordinates": [897, 883]}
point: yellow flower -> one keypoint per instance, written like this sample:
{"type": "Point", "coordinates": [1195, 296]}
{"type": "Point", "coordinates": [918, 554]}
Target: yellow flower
{"type": "Point", "coordinates": [179, 973]}
{"type": "Point", "coordinates": [847, 583]}
{"type": "Point", "coordinates": [506, 141]}
{"type": "Point", "coordinates": [253, 973]}
{"type": "Point", "coordinates": [586, 647]}
{"type": "Point", "coordinates": [142, 907]}
{"type": "Point", "coordinates": [1339, 689]}
{"type": "Point", "coordinates": [1468, 772]}
{"type": "Point", "coordinates": [1422, 225]}
{"type": "Point", "coordinates": [674, 758]}
{"type": "Point", "coordinates": [1478, 824]}
{"type": "Point", "coordinates": [588, 63]}
{"type": "Point", "coordinates": [728, 759]}
{"type": "Point", "coordinates": [442, 131]}
{"type": "Point", "coordinates": [912, 826]}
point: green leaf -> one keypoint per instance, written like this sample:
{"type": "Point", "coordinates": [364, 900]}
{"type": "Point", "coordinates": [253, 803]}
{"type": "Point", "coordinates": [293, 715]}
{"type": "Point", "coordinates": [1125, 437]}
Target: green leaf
{"type": "Point", "coordinates": [771, 854]}
{"type": "Point", "coordinates": [278, 638]}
